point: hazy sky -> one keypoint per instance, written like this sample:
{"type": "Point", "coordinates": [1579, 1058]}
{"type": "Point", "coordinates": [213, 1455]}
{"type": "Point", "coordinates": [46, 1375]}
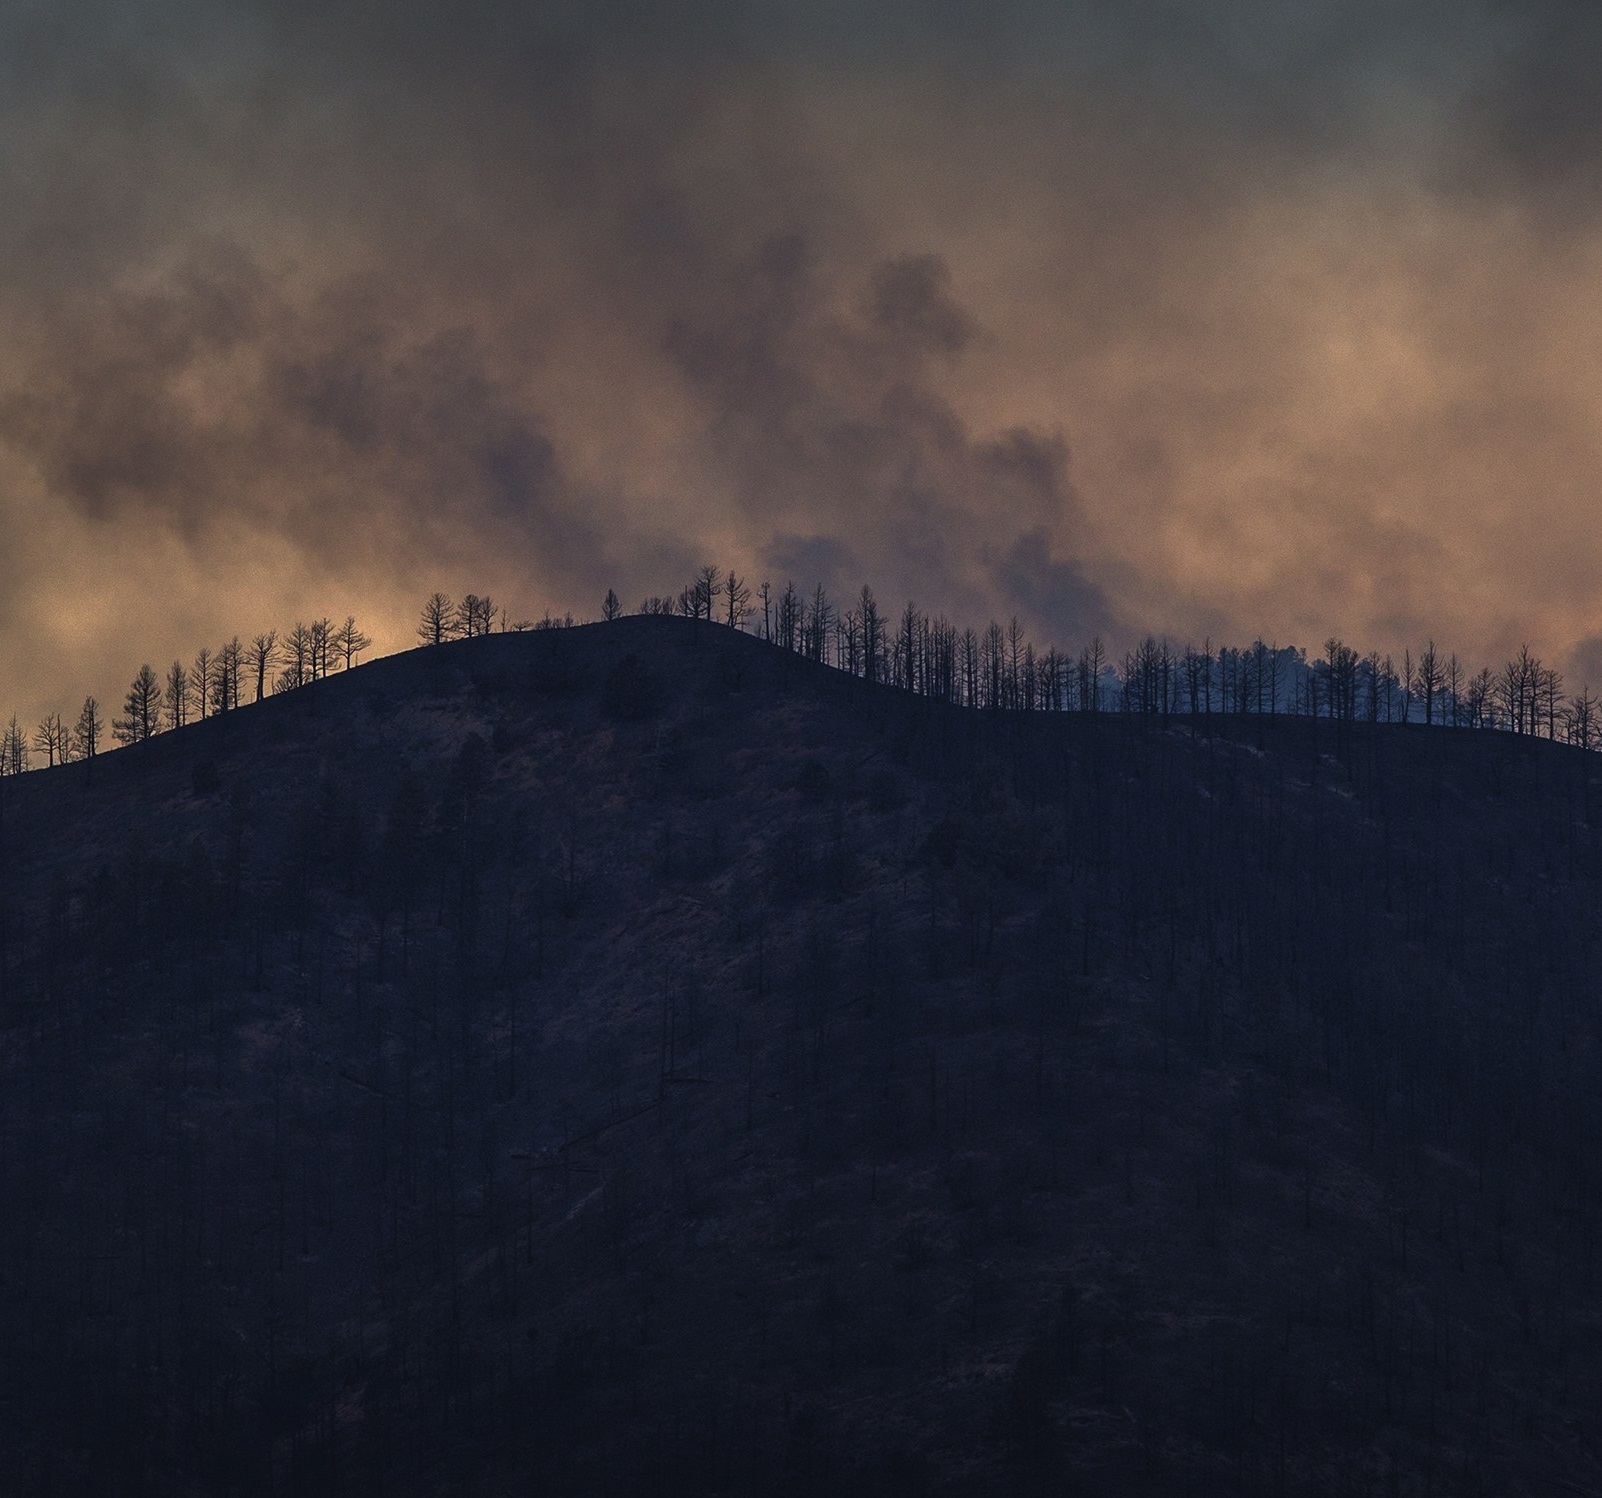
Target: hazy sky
{"type": "Point", "coordinates": [1190, 317]}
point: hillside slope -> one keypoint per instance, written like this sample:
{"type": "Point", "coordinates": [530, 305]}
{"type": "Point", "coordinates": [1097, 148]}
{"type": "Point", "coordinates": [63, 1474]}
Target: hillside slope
{"type": "Point", "coordinates": [631, 1059]}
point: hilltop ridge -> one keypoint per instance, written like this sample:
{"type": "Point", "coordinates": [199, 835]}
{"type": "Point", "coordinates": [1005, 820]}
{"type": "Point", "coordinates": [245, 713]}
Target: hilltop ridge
{"type": "Point", "coordinates": [634, 1057]}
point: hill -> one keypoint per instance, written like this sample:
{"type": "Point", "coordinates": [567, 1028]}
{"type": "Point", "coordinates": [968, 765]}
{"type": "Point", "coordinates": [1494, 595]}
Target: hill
{"type": "Point", "coordinates": [633, 1059]}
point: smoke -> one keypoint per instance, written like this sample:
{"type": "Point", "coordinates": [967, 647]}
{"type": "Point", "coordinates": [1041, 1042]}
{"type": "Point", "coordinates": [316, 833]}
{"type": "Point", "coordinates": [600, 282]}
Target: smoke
{"type": "Point", "coordinates": [1159, 317]}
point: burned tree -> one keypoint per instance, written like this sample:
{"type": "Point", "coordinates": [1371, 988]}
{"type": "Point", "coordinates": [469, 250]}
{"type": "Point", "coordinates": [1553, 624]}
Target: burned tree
{"type": "Point", "coordinates": [13, 748]}
{"type": "Point", "coordinates": [349, 642]}
{"type": "Point", "coordinates": [438, 623]}
{"type": "Point", "coordinates": [175, 697]}
{"type": "Point", "coordinates": [737, 598]}
{"type": "Point", "coordinates": [53, 740]}
{"type": "Point", "coordinates": [86, 732]}
{"type": "Point", "coordinates": [263, 657]}
{"type": "Point", "coordinates": [141, 709]}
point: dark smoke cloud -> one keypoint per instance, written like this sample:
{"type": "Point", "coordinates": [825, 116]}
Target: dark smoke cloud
{"type": "Point", "coordinates": [215, 397]}
{"type": "Point", "coordinates": [814, 408]}
{"type": "Point", "coordinates": [1539, 111]}
{"type": "Point", "coordinates": [321, 306]}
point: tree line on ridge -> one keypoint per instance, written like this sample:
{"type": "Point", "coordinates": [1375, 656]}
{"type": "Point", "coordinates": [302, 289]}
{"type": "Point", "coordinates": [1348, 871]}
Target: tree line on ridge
{"type": "Point", "coordinates": [994, 668]}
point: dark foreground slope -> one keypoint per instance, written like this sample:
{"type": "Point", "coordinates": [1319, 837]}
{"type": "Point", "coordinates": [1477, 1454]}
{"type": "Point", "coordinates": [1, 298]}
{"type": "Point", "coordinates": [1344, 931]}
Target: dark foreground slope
{"type": "Point", "coordinates": [630, 1060]}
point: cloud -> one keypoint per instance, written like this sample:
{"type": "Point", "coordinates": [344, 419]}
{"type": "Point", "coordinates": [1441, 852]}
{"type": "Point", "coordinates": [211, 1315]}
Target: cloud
{"type": "Point", "coordinates": [824, 561]}
{"type": "Point", "coordinates": [825, 402]}
{"type": "Point", "coordinates": [912, 303]}
{"type": "Point", "coordinates": [1585, 664]}
{"type": "Point", "coordinates": [1537, 113]}
{"type": "Point", "coordinates": [108, 420]}
{"type": "Point", "coordinates": [1226, 317]}
{"type": "Point", "coordinates": [1066, 605]}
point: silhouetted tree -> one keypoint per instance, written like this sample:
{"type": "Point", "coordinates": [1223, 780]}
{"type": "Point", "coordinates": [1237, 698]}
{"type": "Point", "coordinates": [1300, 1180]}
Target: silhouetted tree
{"type": "Point", "coordinates": [1581, 719]}
{"type": "Point", "coordinates": [200, 681]}
{"type": "Point", "coordinates": [1430, 678]}
{"type": "Point", "coordinates": [1369, 680]}
{"type": "Point", "coordinates": [52, 740]}
{"type": "Point", "coordinates": [1480, 698]}
{"type": "Point", "coordinates": [438, 623]}
{"type": "Point", "coordinates": [737, 600]}
{"type": "Point", "coordinates": [349, 641]}
{"type": "Point", "coordinates": [299, 657]}
{"type": "Point", "coordinates": [13, 748]}
{"type": "Point", "coordinates": [1389, 686]}
{"type": "Point", "coordinates": [1518, 691]}
{"type": "Point", "coordinates": [788, 619]}
{"type": "Point", "coordinates": [907, 649]}
{"type": "Point", "coordinates": [704, 592]}
{"type": "Point", "coordinates": [1143, 677]}
{"type": "Point", "coordinates": [175, 697]}
{"type": "Point", "coordinates": [86, 732]}
{"type": "Point", "coordinates": [872, 633]}
{"type": "Point", "coordinates": [970, 667]}
{"type": "Point", "coordinates": [1340, 662]}
{"type": "Point", "coordinates": [263, 657]}
{"type": "Point", "coordinates": [1190, 666]}
{"type": "Point", "coordinates": [141, 709]}
{"type": "Point", "coordinates": [820, 621]}
{"type": "Point", "coordinates": [1549, 687]}
{"type": "Point", "coordinates": [1274, 662]}
{"type": "Point", "coordinates": [225, 677]}
{"type": "Point", "coordinates": [849, 626]}
{"type": "Point", "coordinates": [1091, 661]}
{"type": "Point", "coordinates": [322, 648]}
{"type": "Point", "coordinates": [610, 607]}
{"type": "Point", "coordinates": [474, 616]}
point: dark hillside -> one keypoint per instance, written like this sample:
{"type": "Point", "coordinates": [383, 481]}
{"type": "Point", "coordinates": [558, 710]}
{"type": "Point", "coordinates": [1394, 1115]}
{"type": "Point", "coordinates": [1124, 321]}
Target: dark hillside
{"type": "Point", "coordinates": [631, 1059]}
